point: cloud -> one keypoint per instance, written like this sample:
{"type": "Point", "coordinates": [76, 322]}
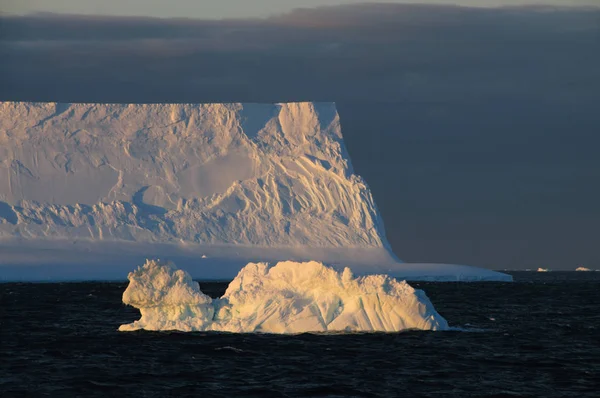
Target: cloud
{"type": "Point", "coordinates": [386, 51]}
{"type": "Point", "coordinates": [476, 128]}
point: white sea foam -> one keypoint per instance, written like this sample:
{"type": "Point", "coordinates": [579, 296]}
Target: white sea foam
{"type": "Point", "coordinates": [289, 297]}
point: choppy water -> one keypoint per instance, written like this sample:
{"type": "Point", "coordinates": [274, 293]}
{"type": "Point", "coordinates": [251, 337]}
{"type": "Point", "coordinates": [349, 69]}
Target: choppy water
{"type": "Point", "coordinates": [539, 336]}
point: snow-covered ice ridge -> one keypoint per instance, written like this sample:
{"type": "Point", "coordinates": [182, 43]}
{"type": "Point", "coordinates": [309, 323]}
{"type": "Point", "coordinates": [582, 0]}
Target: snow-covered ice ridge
{"type": "Point", "coordinates": [289, 297]}
{"type": "Point", "coordinates": [86, 190]}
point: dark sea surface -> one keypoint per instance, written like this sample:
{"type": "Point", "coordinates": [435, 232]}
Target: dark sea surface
{"type": "Point", "coordinates": [539, 336]}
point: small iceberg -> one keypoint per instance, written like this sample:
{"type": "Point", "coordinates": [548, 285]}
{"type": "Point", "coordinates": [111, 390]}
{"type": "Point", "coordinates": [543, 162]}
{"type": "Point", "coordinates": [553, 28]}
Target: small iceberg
{"type": "Point", "coordinates": [583, 269]}
{"type": "Point", "coordinates": [289, 297]}
{"type": "Point", "coordinates": [543, 269]}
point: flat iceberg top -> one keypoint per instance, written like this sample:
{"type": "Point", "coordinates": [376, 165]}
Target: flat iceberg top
{"type": "Point", "coordinates": [268, 175]}
{"type": "Point", "coordinates": [289, 297]}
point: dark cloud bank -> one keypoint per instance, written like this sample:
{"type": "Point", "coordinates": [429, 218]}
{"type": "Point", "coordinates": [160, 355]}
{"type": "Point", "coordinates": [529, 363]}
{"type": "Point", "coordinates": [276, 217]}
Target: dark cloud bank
{"type": "Point", "coordinates": [477, 129]}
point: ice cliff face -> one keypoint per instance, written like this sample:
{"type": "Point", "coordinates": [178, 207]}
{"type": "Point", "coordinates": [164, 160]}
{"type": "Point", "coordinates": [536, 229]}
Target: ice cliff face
{"type": "Point", "coordinates": [249, 174]}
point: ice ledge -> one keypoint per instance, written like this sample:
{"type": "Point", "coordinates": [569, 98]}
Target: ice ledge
{"type": "Point", "coordinates": [60, 260]}
{"type": "Point", "coordinates": [431, 272]}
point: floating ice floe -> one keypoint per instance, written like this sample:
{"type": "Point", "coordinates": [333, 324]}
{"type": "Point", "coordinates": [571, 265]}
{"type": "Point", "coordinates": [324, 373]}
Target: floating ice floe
{"type": "Point", "coordinates": [289, 297]}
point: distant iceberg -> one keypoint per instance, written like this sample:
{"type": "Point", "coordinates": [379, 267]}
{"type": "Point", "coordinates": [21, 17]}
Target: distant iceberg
{"type": "Point", "coordinates": [289, 297]}
{"type": "Point", "coordinates": [584, 269]}
{"type": "Point", "coordinates": [542, 269]}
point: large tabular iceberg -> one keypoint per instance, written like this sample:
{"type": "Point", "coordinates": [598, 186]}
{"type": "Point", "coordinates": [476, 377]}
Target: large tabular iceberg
{"type": "Point", "coordinates": [289, 297]}
{"type": "Point", "coordinates": [86, 185]}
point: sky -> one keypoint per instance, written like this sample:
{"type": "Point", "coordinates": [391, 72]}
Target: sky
{"type": "Point", "coordinates": [215, 9]}
{"type": "Point", "coordinates": [476, 129]}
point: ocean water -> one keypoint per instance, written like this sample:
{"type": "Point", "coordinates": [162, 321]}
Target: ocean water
{"type": "Point", "coordinates": [537, 337]}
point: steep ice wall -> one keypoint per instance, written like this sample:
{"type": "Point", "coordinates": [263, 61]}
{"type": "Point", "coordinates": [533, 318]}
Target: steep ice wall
{"type": "Point", "coordinates": [245, 174]}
